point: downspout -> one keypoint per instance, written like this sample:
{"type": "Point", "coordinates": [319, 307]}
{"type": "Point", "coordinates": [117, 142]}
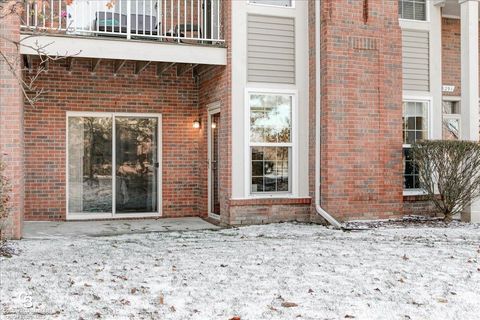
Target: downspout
{"type": "Point", "coordinates": [319, 210]}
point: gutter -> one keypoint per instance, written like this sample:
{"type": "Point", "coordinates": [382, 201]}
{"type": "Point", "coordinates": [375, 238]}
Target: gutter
{"type": "Point", "coordinates": [318, 209]}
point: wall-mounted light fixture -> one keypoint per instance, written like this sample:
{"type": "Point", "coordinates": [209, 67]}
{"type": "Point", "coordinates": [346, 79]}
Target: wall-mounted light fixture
{"type": "Point", "coordinates": [214, 125]}
{"type": "Point", "coordinates": [196, 124]}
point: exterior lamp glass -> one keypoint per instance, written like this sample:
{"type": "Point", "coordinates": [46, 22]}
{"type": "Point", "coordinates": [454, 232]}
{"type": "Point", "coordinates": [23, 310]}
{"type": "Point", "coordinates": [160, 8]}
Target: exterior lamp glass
{"type": "Point", "coordinates": [214, 125]}
{"type": "Point", "coordinates": [196, 124]}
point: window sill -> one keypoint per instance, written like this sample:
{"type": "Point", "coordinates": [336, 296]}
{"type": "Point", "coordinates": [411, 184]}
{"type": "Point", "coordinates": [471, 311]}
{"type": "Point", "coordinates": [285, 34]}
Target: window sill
{"type": "Point", "coordinates": [270, 201]}
{"type": "Point", "coordinates": [414, 192]}
{"type": "Point", "coordinates": [292, 6]}
{"type": "Point", "coordinates": [413, 20]}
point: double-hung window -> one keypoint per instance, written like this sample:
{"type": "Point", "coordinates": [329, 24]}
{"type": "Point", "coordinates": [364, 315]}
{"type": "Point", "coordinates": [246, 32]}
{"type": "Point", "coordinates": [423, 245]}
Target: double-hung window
{"type": "Point", "coordinates": [270, 143]}
{"type": "Point", "coordinates": [451, 120]}
{"type": "Point", "coordinates": [413, 9]}
{"type": "Point", "coordinates": [415, 129]}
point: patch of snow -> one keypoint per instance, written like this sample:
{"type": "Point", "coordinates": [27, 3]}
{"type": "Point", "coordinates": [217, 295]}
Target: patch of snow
{"type": "Point", "coordinates": [277, 271]}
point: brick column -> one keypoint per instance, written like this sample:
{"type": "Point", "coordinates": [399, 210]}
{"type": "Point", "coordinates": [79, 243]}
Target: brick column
{"type": "Point", "coordinates": [470, 91]}
{"type": "Point", "coordinates": [361, 109]}
{"type": "Point", "coordinates": [11, 122]}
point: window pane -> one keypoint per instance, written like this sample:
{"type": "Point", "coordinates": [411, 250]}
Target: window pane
{"type": "Point", "coordinates": [411, 123]}
{"type": "Point", "coordinates": [257, 153]}
{"type": "Point", "coordinates": [409, 182]}
{"type": "Point", "coordinates": [418, 123]}
{"type": "Point", "coordinates": [136, 162]}
{"type": "Point", "coordinates": [257, 168]}
{"type": "Point", "coordinates": [270, 183]}
{"type": "Point", "coordinates": [414, 122]}
{"type": "Point", "coordinates": [271, 172]}
{"type": "Point", "coordinates": [410, 108]}
{"type": "Point", "coordinates": [412, 9]}
{"type": "Point", "coordinates": [257, 184]}
{"type": "Point", "coordinates": [451, 107]}
{"type": "Point", "coordinates": [419, 135]}
{"type": "Point", "coordinates": [257, 134]}
{"type": "Point", "coordinates": [407, 12]}
{"type": "Point", "coordinates": [410, 171]}
{"type": "Point", "coordinates": [89, 164]}
{"type": "Point", "coordinates": [270, 118]}
{"type": "Point", "coordinates": [410, 137]}
{"type": "Point", "coordinates": [420, 11]}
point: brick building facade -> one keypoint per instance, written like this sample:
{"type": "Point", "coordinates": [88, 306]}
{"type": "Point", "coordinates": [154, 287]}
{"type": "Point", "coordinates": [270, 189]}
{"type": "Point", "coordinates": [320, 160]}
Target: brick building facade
{"type": "Point", "coordinates": [306, 98]}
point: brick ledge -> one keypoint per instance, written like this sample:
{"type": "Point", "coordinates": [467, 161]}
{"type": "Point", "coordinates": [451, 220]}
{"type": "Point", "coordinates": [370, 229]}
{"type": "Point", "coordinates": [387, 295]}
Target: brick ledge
{"type": "Point", "coordinates": [419, 197]}
{"type": "Point", "coordinates": [269, 201]}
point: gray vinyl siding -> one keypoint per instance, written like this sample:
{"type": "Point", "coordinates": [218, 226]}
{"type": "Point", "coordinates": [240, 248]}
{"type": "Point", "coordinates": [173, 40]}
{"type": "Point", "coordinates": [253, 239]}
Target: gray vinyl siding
{"type": "Point", "coordinates": [416, 62]}
{"type": "Point", "coordinates": [270, 49]}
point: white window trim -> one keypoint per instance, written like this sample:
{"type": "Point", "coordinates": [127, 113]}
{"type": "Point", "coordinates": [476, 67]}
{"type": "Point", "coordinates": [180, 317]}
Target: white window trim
{"type": "Point", "coordinates": [427, 15]}
{"type": "Point", "coordinates": [293, 193]}
{"type": "Point", "coordinates": [423, 99]}
{"type": "Point", "coordinates": [251, 3]}
{"type": "Point", "coordinates": [113, 215]}
{"type": "Point", "coordinates": [212, 109]}
{"type": "Point", "coordinates": [453, 116]}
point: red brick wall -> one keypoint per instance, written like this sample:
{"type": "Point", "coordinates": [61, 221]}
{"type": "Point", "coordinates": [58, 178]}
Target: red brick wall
{"type": "Point", "coordinates": [256, 211]}
{"type": "Point", "coordinates": [451, 63]}
{"type": "Point", "coordinates": [361, 162]}
{"type": "Point", "coordinates": [11, 122]}
{"type": "Point", "coordinates": [451, 74]}
{"type": "Point", "coordinates": [176, 98]}
{"type": "Point", "coordinates": [215, 86]}
{"type": "Point", "coordinates": [419, 205]}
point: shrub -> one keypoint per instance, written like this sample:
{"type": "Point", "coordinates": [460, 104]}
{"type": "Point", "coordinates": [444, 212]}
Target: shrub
{"type": "Point", "coordinates": [449, 173]}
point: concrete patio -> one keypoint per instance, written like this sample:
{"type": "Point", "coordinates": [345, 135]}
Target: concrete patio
{"type": "Point", "coordinates": [75, 229]}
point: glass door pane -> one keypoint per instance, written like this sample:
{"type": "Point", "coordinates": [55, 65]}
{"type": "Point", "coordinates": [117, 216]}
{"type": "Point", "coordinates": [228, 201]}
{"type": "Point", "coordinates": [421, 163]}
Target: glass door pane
{"type": "Point", "coordinates": [136, 165]}
{"type": "Point", "coordinates": [90, 164]}
{"type": "Point", "coordinates": [214, 158]}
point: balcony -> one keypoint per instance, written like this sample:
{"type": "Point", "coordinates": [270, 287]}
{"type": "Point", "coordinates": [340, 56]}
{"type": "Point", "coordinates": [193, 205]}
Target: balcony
{"type": "Point", "coordinates": [179, 31]}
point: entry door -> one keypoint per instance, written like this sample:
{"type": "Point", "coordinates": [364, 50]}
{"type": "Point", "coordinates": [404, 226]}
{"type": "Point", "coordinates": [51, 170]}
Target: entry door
{"type": "Point", "coordinates": [113, 165]}
{"type": "Point", "coordinates": [213, 163]}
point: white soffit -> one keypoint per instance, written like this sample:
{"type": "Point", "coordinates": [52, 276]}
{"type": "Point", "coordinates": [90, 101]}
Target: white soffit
{"type": "Point", "coordinates": [451, 9]}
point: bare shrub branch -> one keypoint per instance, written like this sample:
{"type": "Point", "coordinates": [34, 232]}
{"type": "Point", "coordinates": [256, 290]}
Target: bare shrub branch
{"type": "Point", "coordinates": [449, 173]}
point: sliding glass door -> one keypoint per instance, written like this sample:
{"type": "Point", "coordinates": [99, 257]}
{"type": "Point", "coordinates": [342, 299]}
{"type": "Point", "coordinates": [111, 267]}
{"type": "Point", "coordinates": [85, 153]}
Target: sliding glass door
{"type": "Point", "coordinates": [136, 164]}
{"type": "Point", "coordinates": [90, 164]}
{"type": "Point", "coordinates": [113, 165]}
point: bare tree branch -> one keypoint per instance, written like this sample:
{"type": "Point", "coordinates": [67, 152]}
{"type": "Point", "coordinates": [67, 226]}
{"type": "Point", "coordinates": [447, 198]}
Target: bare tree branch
{"type": "Point", "coordinates": [27, 80]}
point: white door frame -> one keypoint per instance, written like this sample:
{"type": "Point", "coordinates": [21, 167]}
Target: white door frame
{"type": "Point", "coordinates": [212, 108]}
{"type": "Point", "coordinates": [113, 215]}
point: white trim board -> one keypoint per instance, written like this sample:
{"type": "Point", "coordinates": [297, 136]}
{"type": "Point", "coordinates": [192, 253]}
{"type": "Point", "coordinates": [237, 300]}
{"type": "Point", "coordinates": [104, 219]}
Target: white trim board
{"type": "Point", "coordinates": [293, 193]}
{"type": "Point", "coordinates": [111, 48]}
{"type": "Point", "coordinates": [212, 109]}
{"type": "Point", "coordinates": [113, 214]}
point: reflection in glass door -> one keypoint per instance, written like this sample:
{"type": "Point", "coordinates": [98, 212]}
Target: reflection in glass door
{"type": "Point", "coordinates": [213, 156]}
{"type": "Point", "coordinates": [90, 164]}
{"type": "Point", "coordinates": [136, 164]}
{"type": "Point", "coordinates": [113, 165]}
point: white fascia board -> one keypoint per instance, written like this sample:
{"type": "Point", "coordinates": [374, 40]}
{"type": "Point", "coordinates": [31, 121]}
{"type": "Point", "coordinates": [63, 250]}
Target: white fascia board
{"type": "Point", "coordinates": [104, 48]}
{"type": "Point", "coordinates": [439, 3]}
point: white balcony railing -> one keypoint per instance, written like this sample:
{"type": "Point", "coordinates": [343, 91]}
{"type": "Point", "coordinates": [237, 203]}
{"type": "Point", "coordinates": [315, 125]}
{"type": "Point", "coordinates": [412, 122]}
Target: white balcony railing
{"type": "Point", "coordinates": [187, 21]}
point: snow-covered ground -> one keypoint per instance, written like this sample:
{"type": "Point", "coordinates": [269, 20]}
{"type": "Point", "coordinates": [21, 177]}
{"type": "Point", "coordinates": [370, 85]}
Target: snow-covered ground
{"type": "Point", "coordinates": [278, 271]}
